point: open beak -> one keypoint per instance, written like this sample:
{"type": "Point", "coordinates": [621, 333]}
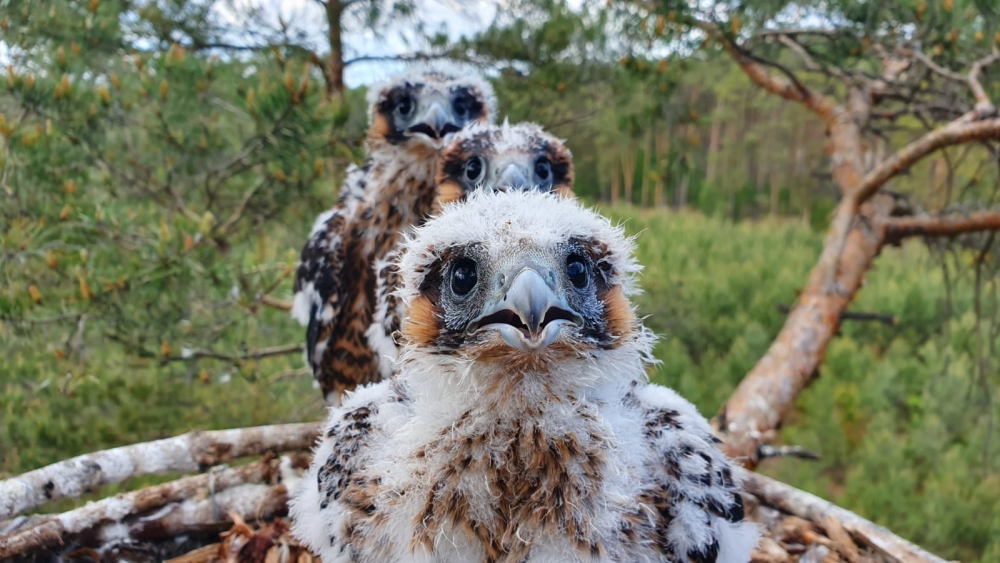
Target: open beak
{"type": "Point", "coordinates": [436, 124]}
{"type": "Point", "coordinates": [527, 312]}
{"type": "Point", "coordinates": [513, 177]}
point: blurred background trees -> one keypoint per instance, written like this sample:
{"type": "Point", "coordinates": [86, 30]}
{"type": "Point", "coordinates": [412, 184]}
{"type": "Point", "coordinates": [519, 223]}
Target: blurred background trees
{"type": "Point", "coordinates": [161, 163]}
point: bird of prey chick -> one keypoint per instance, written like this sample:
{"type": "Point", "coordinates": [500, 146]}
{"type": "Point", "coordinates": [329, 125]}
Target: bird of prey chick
{"type": "Point", "coordinates": [521, 426]}
{"type": "Point", "coordinates": [515, 157]}
{"type": "Point", "coordinates": [411, 118]}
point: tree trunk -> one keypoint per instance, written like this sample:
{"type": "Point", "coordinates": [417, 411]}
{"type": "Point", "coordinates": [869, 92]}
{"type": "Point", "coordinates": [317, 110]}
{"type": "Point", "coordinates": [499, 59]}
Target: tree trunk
{"type": "Point", "coordinates": [616, 184]}
{"type": "Point", "coordinates": [714, 141]}
{"type": "Point", "coordinates": [628, 172]}
{"type": "Point", "coordinates": [682, 190]}
{"type": "Point", "coordinates": [333, 70]}
{"type": "Point", "coordinates": [647, 168]}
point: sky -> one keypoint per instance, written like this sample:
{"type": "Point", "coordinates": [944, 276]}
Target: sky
{"type": "Point", "coordinates": [457, 18]}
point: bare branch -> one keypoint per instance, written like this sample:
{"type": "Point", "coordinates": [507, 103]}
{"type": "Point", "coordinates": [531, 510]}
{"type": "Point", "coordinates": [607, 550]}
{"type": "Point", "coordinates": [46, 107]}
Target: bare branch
{"type": "Point", "coordinates": [984, 106]}
{"type": "Point", "coordinates": [789, 88]}
{"type": "Point", "coordinates": [855, 316]}
{"type": "Point", "coordinates": [249, 355]}
{"type": "Point", "coordinates": [185, 453]}
{"type": "Point", "coordinates": [275, 303]}
{"type": "Point", "coordinates": [396, 58]}
{"type": "Point", "coordinates": [52, 531]}
{"type": "Point", "coordinates": [809, 61]}
{"type": "Point", "coordinates": [792, 32]}
{"type": "Point", "coordinates": [767, 451]}
{"type": "Point", "coordinates": [804, 505]}
{"type": "Point", "coordinates": [955, 133]}
{"type": "Point", "coordinates": [938, 226]}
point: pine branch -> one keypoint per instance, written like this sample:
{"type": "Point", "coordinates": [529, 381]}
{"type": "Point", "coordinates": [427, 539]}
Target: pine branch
{"type": "Point", "coordinates": [189, 452]}
{"type": "Point", "coordinates": [939, 226]}
{"type": "Point", "coordinates": [52, 530]}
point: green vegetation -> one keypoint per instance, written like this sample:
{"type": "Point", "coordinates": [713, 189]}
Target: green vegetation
{"type": "Point", "coordinates": [160, 166]}
{"type": "Point", "coordinates": [897, 413]}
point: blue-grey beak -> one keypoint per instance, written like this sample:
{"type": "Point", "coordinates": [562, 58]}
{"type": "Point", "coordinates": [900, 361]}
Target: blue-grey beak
{"type": "Point", "coordinates": [527, 310]}
{"type": "Point", "coordinates": [435, 123]}
{"type": "Point", "coordinates": [513, 177]}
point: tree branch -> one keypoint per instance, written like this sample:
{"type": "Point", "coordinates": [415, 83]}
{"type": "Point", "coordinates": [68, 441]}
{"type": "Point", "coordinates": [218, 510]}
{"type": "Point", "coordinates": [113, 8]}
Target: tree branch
{"type": "Point", "coordinates": [957, 132]}
{"type": "Point", "coordinates": [185, 453]}
{"type": "Point", "coordinates": [790, 88]}
{"type": "Point", "coordinates": [810, 507]}
{"type": "Point", "coordinates": [275, 303]}
{"type": "Point", "coordinates": [396, 58]}
{"type": "Point", "coordinates": [249, 355]}
{"type": "Point", "coordinates": [855, 316]}
{"type": "Point", "coordinates": [53, 530]}
{"type": "Point", "coordinates": [938, 226]}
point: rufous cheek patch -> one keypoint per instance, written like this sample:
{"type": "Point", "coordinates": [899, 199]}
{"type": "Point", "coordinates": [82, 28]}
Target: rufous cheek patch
{"type": "Point", "coordinates": [421, 326]}
{"type": "Point", "coordinates": [619, 315]}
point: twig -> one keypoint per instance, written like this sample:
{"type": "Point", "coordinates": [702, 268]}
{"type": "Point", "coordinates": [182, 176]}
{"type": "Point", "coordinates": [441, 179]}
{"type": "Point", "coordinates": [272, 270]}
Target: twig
{"type": "Point", "coordinates": [883, 318]}
{"type": "Point", "coordinates": [804, 505]}
{"type": "Point", "coordinates": [766, 451]}
{"type": "Point", "coordinates": [52, 530]}
{"type": "Point", "coordinates": [275, 303]}
{"type": "Point", "coordinates": [249, 355]}
{"type": "Point", "coordinates": [185, 453]}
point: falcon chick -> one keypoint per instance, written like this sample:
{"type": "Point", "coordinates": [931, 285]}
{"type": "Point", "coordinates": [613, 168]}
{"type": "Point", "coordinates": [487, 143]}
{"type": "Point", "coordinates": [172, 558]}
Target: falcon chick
{"type": "Point", "coordinates": [411, 117]}
{"type": "Point", "coordinates": [518, 157]}
{"type": "Point", "coordinates": [521, 426]}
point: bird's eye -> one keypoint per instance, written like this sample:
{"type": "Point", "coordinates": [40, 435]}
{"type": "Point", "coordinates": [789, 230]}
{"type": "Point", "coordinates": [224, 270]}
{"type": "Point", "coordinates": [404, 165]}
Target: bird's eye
{"type": "Point", "coordinates": [576, 269]}
{"type": "Point", "coordinates": [404, 107]}
{"type": "Point", "coordinates": [462, 106]}
{"type": "Point", "coordinates": [543, 168]}
{"type": "Point", "coordinates": [463, 276]}
{"type": "Point", "coordinates": [474, 169]}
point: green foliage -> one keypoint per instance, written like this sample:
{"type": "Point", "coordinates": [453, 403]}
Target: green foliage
{"type": "Point", "coordinates": [157, 183]}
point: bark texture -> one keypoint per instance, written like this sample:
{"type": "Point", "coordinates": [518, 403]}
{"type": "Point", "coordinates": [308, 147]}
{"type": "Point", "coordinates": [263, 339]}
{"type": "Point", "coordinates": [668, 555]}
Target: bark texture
{"type": "Point", "coordinates": [187, 453]}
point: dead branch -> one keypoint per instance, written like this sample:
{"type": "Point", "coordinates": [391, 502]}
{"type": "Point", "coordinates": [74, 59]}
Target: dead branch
{"type": "Point", "coordinates": [855, 316]}
{"type": "Point", "coordinates": [275, 303]}
{"type": "Point", "coordinates": [983, 106]}
{"type": "Point", "coordinates": [53, 530]}
{"type": "Point", "coordinates": [249, 502]}
{"type": "Point", "coordinates": [808, 59]}
{"type": "Point", "coordinates": [789, 88]}
{"type": "Point", "coordinates": [189, 453]}
{"type": "Point", "coordinates": [957, 132]}
{"type": "Point", "coordinates": [810, 507]}
{"type": "Point", "coordinates": [938, 226]}
{"type": "Point", "coordinates": [766, 451]}
{"type": "Point", "coordinates": [249, 355]}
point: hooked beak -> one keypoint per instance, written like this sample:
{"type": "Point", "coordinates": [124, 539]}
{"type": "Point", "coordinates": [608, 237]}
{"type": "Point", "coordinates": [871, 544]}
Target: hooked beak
{"type": "Point", "coordinates": [513, 177]}
{"type": "Point", "coordinates": [527, 312]}
{"type": "Point", "coordinates": [435, 124]}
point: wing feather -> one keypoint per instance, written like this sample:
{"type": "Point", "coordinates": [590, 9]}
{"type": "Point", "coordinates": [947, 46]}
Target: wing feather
{"type": "Point", "coordinates": [691, 492]}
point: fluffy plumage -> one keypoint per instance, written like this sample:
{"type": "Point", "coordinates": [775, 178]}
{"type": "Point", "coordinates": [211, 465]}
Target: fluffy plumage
{"type": "Point", "coordinates": [412, 116]}
{"type": "Point", "coordinates": [521, 426]}
{"type": "Point", "coordinates": [510, 157]}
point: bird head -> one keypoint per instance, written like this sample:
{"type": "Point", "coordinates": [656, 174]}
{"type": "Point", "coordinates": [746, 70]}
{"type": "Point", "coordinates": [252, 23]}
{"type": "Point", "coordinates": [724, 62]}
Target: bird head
{"type": "Point", "coordinates": [520, 285]}
{"type": "Point", "coordinates": [516, 157]}
{"type": "Point", "coordinates": [419, 110]}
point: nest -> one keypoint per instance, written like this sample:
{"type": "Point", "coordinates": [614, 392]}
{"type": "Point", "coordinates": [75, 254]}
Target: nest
{"type": "Point", "coordinates": [239, 513]}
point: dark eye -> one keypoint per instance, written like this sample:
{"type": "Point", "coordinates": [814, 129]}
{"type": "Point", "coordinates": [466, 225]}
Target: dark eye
{"type": "Point", "coordinates": [474, 168]}
{"type": "Point", "coordinates": [463, 276]}
{"type": "Point", "coordinates": [543, 168]}
{"type": "Point", "coordinates": [576, 269]}
{"type": "Point", "coordinates": [404, 106]}
{"type": "Point", "coordinates": [462, 106]}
